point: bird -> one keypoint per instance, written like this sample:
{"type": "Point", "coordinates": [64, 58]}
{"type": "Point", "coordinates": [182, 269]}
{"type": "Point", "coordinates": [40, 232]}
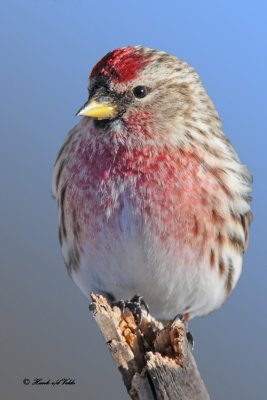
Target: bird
{"type": "Point", "coordinates": [152, 197]}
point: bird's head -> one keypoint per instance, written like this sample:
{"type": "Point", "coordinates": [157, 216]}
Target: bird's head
{"type": "Point", "coordinates": [143, 90]}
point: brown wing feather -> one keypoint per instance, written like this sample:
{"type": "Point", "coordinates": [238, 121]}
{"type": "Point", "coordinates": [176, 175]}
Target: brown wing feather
{"type": "Point", "coordinates": [246, 220]}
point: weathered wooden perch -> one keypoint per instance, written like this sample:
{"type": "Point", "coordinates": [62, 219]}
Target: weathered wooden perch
{"type": "Point", "coordinates": [155, 362]}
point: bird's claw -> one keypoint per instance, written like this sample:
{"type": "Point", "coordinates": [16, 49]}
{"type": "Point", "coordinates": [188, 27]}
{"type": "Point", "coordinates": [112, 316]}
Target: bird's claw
{"type": "Point", "coordinates": [135, 305]}
{"type": "Point", "coordinates": [189, 336]}
{"type": "Point", "coordinates": [190, 339]}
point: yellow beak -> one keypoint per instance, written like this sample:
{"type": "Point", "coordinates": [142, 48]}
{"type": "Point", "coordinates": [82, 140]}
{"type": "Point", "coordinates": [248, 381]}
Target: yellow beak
{"type": "Point", "coordinates": [98, 109]}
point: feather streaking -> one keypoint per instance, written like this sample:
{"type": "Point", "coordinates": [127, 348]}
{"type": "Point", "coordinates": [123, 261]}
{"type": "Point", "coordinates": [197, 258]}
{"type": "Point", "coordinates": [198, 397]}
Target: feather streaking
{"type": "Point", "coordinates": [155, 201]}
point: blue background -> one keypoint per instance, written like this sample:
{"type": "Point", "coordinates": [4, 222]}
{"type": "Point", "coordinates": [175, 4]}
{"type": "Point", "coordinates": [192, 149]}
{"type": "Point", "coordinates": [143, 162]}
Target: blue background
{"type": "Point", "coordinates": [47, 51]}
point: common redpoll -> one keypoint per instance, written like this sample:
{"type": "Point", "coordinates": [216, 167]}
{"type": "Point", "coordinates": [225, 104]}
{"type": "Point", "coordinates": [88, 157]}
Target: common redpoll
{"type": "Point", "coordinates": [153, 199]}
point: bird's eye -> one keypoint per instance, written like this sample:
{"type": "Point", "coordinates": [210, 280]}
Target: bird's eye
{"type": "Point", "coordinates": [140, 92]}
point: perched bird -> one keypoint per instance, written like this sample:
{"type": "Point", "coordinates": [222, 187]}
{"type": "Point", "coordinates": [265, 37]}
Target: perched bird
{"type": "Point", "coordinates": [152, 197]}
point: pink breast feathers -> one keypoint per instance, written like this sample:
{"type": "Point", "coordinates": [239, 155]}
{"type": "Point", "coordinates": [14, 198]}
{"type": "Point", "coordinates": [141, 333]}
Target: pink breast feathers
{"type": "Point", "coordinates": [166, 189]}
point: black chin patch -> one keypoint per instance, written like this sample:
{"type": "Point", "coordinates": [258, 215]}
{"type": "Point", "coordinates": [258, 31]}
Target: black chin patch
{"type": "Point", "coordinates": [104, 124]}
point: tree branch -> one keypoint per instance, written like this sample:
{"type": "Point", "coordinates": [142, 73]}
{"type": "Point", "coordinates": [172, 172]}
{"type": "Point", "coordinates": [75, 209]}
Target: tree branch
{"type": "Point", "coordinates": [155, 361]}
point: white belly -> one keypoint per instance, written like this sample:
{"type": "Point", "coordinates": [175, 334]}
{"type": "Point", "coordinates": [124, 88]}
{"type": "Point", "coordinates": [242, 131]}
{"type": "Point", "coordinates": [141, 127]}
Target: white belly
{"type": "Point", "coordinates": [126, 259]}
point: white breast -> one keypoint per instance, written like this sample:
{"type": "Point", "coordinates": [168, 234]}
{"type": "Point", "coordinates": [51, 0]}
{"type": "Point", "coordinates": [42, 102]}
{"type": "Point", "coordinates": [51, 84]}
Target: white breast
{"type": "Point", "coordinates": [129, 260]}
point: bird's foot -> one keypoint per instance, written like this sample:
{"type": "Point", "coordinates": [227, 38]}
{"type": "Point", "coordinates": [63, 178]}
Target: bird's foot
{"type": "Point", "coordinates": [185, 318]}
{"type": "Point", "coordinates": [135, 305]}
{"type": "Point", "coordinates": [190, 339]}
